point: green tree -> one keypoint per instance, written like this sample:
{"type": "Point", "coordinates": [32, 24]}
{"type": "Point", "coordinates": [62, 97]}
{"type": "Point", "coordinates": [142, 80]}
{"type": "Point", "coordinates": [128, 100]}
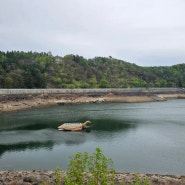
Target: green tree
{"type": "Point", "coordinates": [104, 83]}
{"type": "Point", "coordinates": [42, 70]}
{"type": "Point", "coordinates": [93, 82]}
{"type": "Point", "coordinates": [8, 82]}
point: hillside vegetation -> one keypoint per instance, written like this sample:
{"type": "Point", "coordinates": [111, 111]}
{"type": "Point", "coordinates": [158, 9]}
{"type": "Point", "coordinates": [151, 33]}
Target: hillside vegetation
{"type": "Point", "coordinates": [42, 70]}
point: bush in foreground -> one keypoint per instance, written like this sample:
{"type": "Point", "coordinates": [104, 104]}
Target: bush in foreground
{"type": "Point", "coordinates": [95, 169]}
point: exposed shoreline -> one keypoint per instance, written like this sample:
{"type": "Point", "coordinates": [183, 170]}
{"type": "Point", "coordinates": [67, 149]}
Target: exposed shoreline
{"type": "Point", "coordinates": [13, 103]}
{"type": "Point", "coordinates": [11, 177]}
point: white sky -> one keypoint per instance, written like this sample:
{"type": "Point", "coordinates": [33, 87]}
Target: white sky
{"type": "Point", "coordinates": [145, 32]}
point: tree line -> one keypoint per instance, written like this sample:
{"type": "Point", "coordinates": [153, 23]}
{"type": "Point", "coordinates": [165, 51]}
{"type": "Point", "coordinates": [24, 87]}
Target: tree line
{"type": "Point", "coordinates": [20, 69]}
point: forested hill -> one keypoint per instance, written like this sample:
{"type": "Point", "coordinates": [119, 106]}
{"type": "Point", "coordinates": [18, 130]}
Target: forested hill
{"type": "Point", "coordinates": [42, 70]}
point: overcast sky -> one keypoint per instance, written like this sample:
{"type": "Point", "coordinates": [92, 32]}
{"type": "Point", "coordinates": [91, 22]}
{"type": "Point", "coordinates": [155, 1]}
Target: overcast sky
{"type": "Point", "coordinates": [144, 32]}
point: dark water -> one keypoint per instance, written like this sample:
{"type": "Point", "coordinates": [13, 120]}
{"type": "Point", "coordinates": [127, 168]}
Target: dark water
{"type": "Point", "coordinates": [139, 137]}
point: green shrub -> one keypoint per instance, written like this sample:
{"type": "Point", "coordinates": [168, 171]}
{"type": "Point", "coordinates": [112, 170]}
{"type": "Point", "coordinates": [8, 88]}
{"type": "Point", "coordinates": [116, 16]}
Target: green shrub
{"type": "Point", "coordinates": [57, 175]}
{"type": "Point", "coordinates": [95, 169]}
{"type": "Point", "coordinates": [100, 169]}
{"type": "Point", "coordinates": [139, 181]}
{"type": "Point", "coordinates": [76, 169]}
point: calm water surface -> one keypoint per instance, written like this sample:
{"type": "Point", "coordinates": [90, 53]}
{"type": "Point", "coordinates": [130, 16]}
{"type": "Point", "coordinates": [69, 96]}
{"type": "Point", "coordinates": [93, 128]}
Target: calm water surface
{"type": "Point", "coordinates": [139, 137]}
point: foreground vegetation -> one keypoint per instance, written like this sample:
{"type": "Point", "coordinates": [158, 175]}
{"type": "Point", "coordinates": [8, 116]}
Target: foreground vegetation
{"type": "Point", "coordinates": [42, 70]}
{"type": "Point", "coordinates": [95, 169]}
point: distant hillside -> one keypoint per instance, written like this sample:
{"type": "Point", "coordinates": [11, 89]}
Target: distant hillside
{"type": "Point", "coordinates": [42, 70]}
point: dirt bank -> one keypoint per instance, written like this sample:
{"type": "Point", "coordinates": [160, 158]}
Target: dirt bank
{"type": "Point", "coordinates": [16, 104]}
{"type": "Point", "coordinates": [48, 178]}
{"type": "Point", "coordinates": [21, 99]}
{"type": "Point", "coordinates": [39, 101]}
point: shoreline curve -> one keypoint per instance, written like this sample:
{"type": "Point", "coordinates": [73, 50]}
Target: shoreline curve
{"type": "Point", "coordinates": [23, 99]}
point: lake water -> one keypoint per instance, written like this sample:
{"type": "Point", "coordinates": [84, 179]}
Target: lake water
{"type": "Point", "coordinates": [139, 137]}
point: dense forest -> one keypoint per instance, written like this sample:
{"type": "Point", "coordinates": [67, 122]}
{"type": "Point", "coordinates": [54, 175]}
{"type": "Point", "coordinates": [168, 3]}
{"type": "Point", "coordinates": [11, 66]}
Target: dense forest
{"type": "Point", "coordinates": [42, 70]}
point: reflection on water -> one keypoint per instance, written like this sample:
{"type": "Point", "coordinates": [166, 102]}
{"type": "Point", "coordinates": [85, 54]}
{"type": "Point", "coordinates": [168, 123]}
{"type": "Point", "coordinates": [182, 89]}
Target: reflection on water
{"type": "Point", "coordinates": [36, 136]}
{"type": "Point", "coordinates": [25, 146]}
{"type": "Point", "coordinates": [112, 125]}
{"type": "Point", "coordinates": [139, 137]}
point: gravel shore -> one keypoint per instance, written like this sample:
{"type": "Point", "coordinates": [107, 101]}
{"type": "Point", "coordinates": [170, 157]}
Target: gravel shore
{"type": "Point", "coordinates": [48, 178]}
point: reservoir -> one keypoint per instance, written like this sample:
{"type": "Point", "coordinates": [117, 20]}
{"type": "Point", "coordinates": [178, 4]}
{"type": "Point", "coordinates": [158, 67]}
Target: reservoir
{"type": "Point", "coordinates": [139, 137]}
